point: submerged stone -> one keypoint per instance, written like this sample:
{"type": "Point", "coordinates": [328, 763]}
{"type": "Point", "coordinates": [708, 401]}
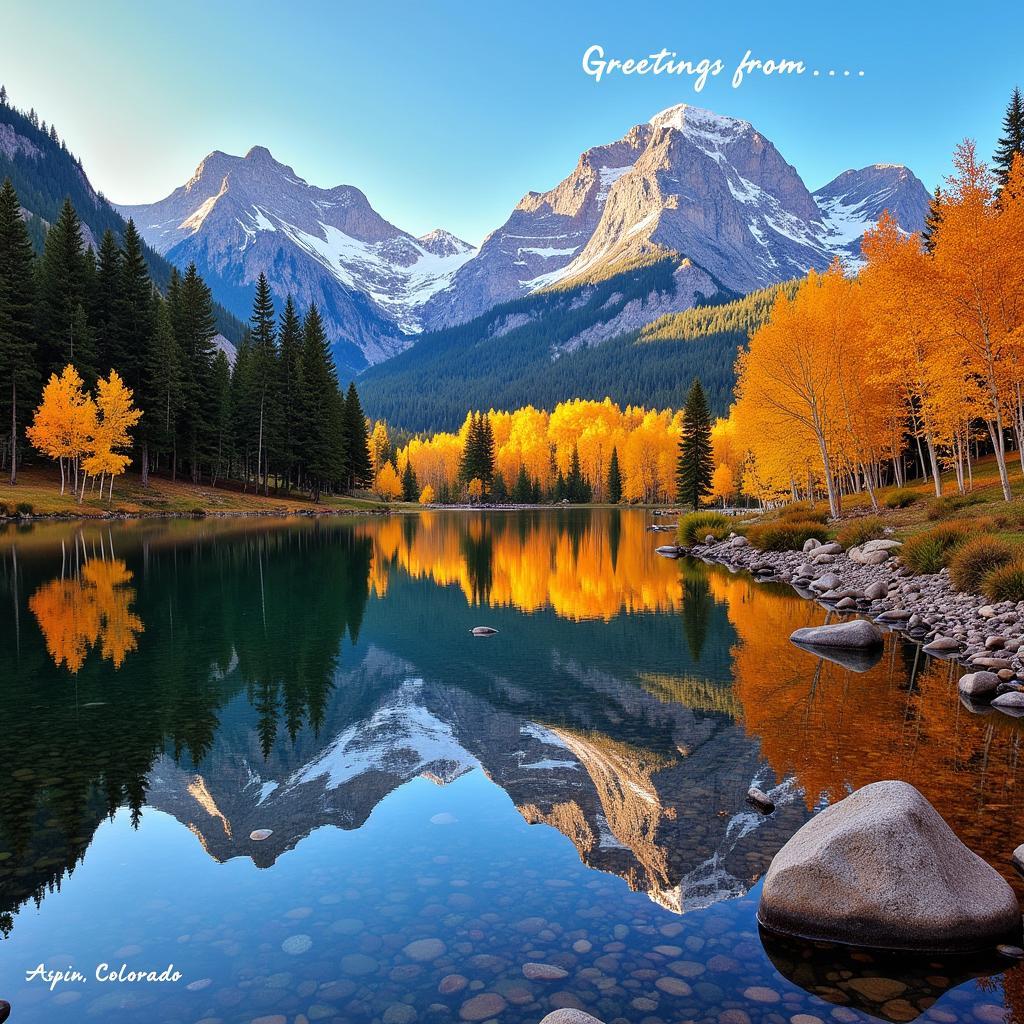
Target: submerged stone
{"type": "Point", "coordinates": [883, 869]}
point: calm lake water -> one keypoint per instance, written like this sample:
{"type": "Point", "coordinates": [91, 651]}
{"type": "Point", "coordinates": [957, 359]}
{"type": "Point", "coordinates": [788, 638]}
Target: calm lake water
{"type": "Point", "coordinates": [444, 809]}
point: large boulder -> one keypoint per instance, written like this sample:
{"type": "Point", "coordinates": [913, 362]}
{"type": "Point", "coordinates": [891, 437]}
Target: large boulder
{"type": "Point", "coordinates": [570, 1015]}
{"type": "Point", "coordinates": [856, 634]}
{"type": "Point", "coordinates": [882, 869]}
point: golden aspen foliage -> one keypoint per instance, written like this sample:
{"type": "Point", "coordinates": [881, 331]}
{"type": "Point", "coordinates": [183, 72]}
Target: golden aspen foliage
{"type": "Point", "coordinates": [388, 484]}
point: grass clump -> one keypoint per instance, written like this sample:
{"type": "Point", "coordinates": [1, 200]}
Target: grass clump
{"type": "Point", "coordinates": [1005, 583]}
{"type": "Point", "coordinates": [860, 531]}
{"type": "Point", "coordinates": [803, 512]}
{"type": "Point", "coordinates": [942, 508]}
{"type": "Point", "coordinates": [695, 526]}
{"type": "Point", "coordinates": [973, 561]}
{"type": "Point", "coordinates": [24, 508]}
{"type": "Point", "coordinates": [932, 550]}
{"type": "Point", "coordinates": [784, 534]}
{"type": "Point", "coordinates": [902, 497]}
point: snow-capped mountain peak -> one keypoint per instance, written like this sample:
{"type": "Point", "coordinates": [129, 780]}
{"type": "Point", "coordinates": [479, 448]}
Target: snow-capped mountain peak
{"type": "Point", "coordinates": [239, 216]}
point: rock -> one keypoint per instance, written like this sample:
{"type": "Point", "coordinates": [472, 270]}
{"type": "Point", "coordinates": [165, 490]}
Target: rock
{"type": "Point", "coordinates": [296, 945]}
{"type": "Point", "coordinates": [832, 548]}
{"type": "Point", "coordinates": [846, 603]}
{"type": "Point", "coordinates": [1012, 703]}
{"type": "Point", "coordinates": [829, 581]}
{"type": "Point", "coordinates": [992, 663]}
{"type": "Point", "coordinates": [942, 645]}
{"type": "Point", "coordinates": [425, 950]}
{"type": "Point", "coordinates": [5, 1012]}
{"type": "Point", "coordinates": [875, 557]}
{"type": "Point", "coordinates": [857, 633]}
{"type": "Point", "coordinates": [483, 631]}
{"type": "Point", "coordinates": [1012, 952]}
{"type": "Point", "coordinates": [668, 551]}
{"type": "Point", "coordinates": [986, 611]}
{"type": "Point", "coordinates": [483, 1006]}
{"type": "Point", "coordinates": [978, 684]}
{"type": "Point", "coordinates": [995, 643]}
{"type": "Point", "coordinates": [569, 1015]}
{"type": "Point", "coordinates": [259, 834]}
{"type": "Point", "coordinates": [882, 869]}
{"type": "Point", "coordinates": [1018, 858]}
{"type": "Point", "coordinates": [738, 542]}
{"type": "Point", "coordinates": [761, 800]}
{"type": "Point", "coordinates": [399, 1013]}
{"type": "Point", "coordinates": [709, 539]}
{"type": "Point", "coordinates": [544, 972]}
{"type": "Point", "coordinates": [876, 591]}
{"type": "Point", "coordinates": [810, 544]}
{"type": "Point", "coordinates": [882, 544]}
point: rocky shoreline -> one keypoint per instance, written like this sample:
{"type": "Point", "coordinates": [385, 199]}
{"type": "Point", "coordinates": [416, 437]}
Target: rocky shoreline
{"type": "Point", "coordinates": [869, 581]}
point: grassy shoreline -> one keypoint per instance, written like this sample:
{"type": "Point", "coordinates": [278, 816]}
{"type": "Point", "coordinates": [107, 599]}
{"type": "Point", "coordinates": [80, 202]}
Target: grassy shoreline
{"type": "Point", "coordinates": [37, 496]}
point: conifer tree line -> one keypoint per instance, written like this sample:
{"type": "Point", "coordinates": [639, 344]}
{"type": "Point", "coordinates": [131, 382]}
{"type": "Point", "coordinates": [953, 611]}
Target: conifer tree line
{"type": "Point", "coordinates": [276, 420]}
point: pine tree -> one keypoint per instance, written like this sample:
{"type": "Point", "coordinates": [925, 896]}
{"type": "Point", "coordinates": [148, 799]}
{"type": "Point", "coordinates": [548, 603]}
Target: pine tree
{"type": "Point", "coordinates": [522, 489]}
{"type": "Point", "coordinates": [290, 344]}
{"type": "Point", "coordinates": [195, 327]}
{"type": "Point", "coordinates": [486, 451]}
{"type": "Point", "coordinates": [410, 486]}
{"type": "Point", "coordinates": [696, 462]}
{"type": "Point", "coordinates": [17, 296]}
{"type": "Point", "coordinates": [63, 298]}
{"type": "Point", "coordinates": [614, 478]}
{"type": "Point", "coordinates": [357, 446]}
{"type": "Point", "coordinates": [221, 454]}
{"type": "Point", "coordinates": [134, 317]}
{"type": "Point", "coordinates": [106, 296]}
{"type": "Point", "coordinates": [265, 378]}
{"type": "Point", "coordinates": [574, 479]}
{"type": "Point", "coordinates": [1011, 142]}
{"type": "Point", "coordinates": [162, 392]}
{"type": "Point", "coordinates": [470, 460]}
{"type": "Point", "coordinates": [932, 220]}
{"type": "Point", "coordinates": [322, 425]}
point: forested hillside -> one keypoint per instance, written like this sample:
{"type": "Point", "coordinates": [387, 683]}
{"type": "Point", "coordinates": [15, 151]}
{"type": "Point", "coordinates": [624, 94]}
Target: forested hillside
{"type": "Point", "coordinates": [44, 173]}
{"type": "Point", "coordinates": [491, 363]}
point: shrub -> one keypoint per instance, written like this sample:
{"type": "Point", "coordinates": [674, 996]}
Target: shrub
{"type": "Point", "coordinates": [902, 497]}
{"type": "Point", "coordinates": [1005, 583]}
{"type": "Point", "coordinates": [860, 531]}
{"type": "Point", "coordinates": [941, 508]}
{"type": "Point", "coordinates": [803, 512]}
{"type": "Point", "coordinates": [695, 526]}
{"type": "Point", "coordinates": [973, 561]}
{"type": "Point", "coordinates": [931, 551]}
{"type": "Point", "coordinates": [5, 511]}
{"type": "Point", "coordinates": [1010, 518]}
{"type": "Point", "coordinates": [24, 508]}
{"type": "Point", "coordinates": [783, 534]}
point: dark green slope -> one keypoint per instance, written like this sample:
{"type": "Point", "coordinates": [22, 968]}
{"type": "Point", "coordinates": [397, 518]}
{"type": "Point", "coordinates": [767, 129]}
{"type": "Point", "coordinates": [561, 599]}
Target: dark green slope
{"type": "Point", "coordinates": [46, 173]}
{"type": "Point", "coordinates": [431, 385]}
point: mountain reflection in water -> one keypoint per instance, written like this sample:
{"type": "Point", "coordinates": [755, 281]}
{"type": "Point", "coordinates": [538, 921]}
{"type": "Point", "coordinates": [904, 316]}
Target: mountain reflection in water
{"type": "Point", "coordinates": [242, 675]}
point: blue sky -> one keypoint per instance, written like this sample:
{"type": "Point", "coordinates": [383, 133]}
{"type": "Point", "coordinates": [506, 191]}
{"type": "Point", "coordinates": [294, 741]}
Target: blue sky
{"type": "Point", "coordinates": [446, 112]}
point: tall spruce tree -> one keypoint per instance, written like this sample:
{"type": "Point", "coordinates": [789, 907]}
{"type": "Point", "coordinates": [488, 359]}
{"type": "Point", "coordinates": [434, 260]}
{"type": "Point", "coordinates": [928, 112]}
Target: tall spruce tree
{"type": "Point", "coordinates": [357, 444]}
{"type": "Point", "coordinates": [932, 220]}
{"type": "Point", "coordinates": [323, 422]}
{"type": "Point", "coordinates": [696, 461]}
{"type": "Point", "coordinates": [263, 331]}
{"type": "Point", "coordinates": [221, 453]}
{"type": "Point", "coordinates": [577, 488]}
{"type": "Point", "coordinates": [162, 391]}
{"type": "Point", "coordinates": [195, 328]}
{"type": "Point", "coordinates": [614, 478]}
{"type": "Point", "coordinates": [522, 489]}
{"type": "Point", "coordinates": [134, 312]}
{"type": "Point", "coordinates": [290, 344]}
{"type": "Point", "coordinates": [1011, 142]}
{"type": "Point", "coordinates": [410, 486]}
{"type": "Point", "coordinates": [486, 452]}
{"type": "Point", "coordinates": [469, 463]}
{"type": "Point", "coordinates": [17, 297]}
{"type": "Point", "coordinates": [64, 273]}
{"type": "Point", "coordinates": [106, 298]}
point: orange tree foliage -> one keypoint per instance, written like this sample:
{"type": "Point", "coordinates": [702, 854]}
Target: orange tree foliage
{"type": "Point", "coordinates": [542, 443]}
{"type": "Point", "coordinates": [91, 608]}
{"type": "Point", "coordinates": [928, 343]}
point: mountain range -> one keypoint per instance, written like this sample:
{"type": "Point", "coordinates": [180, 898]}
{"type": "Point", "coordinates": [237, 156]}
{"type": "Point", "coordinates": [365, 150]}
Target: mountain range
{"type": "Point", "coordinates": [707, 191]}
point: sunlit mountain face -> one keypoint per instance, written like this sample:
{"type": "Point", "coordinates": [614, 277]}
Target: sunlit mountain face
{"type": "Point", "coordinates": [186, 706]}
